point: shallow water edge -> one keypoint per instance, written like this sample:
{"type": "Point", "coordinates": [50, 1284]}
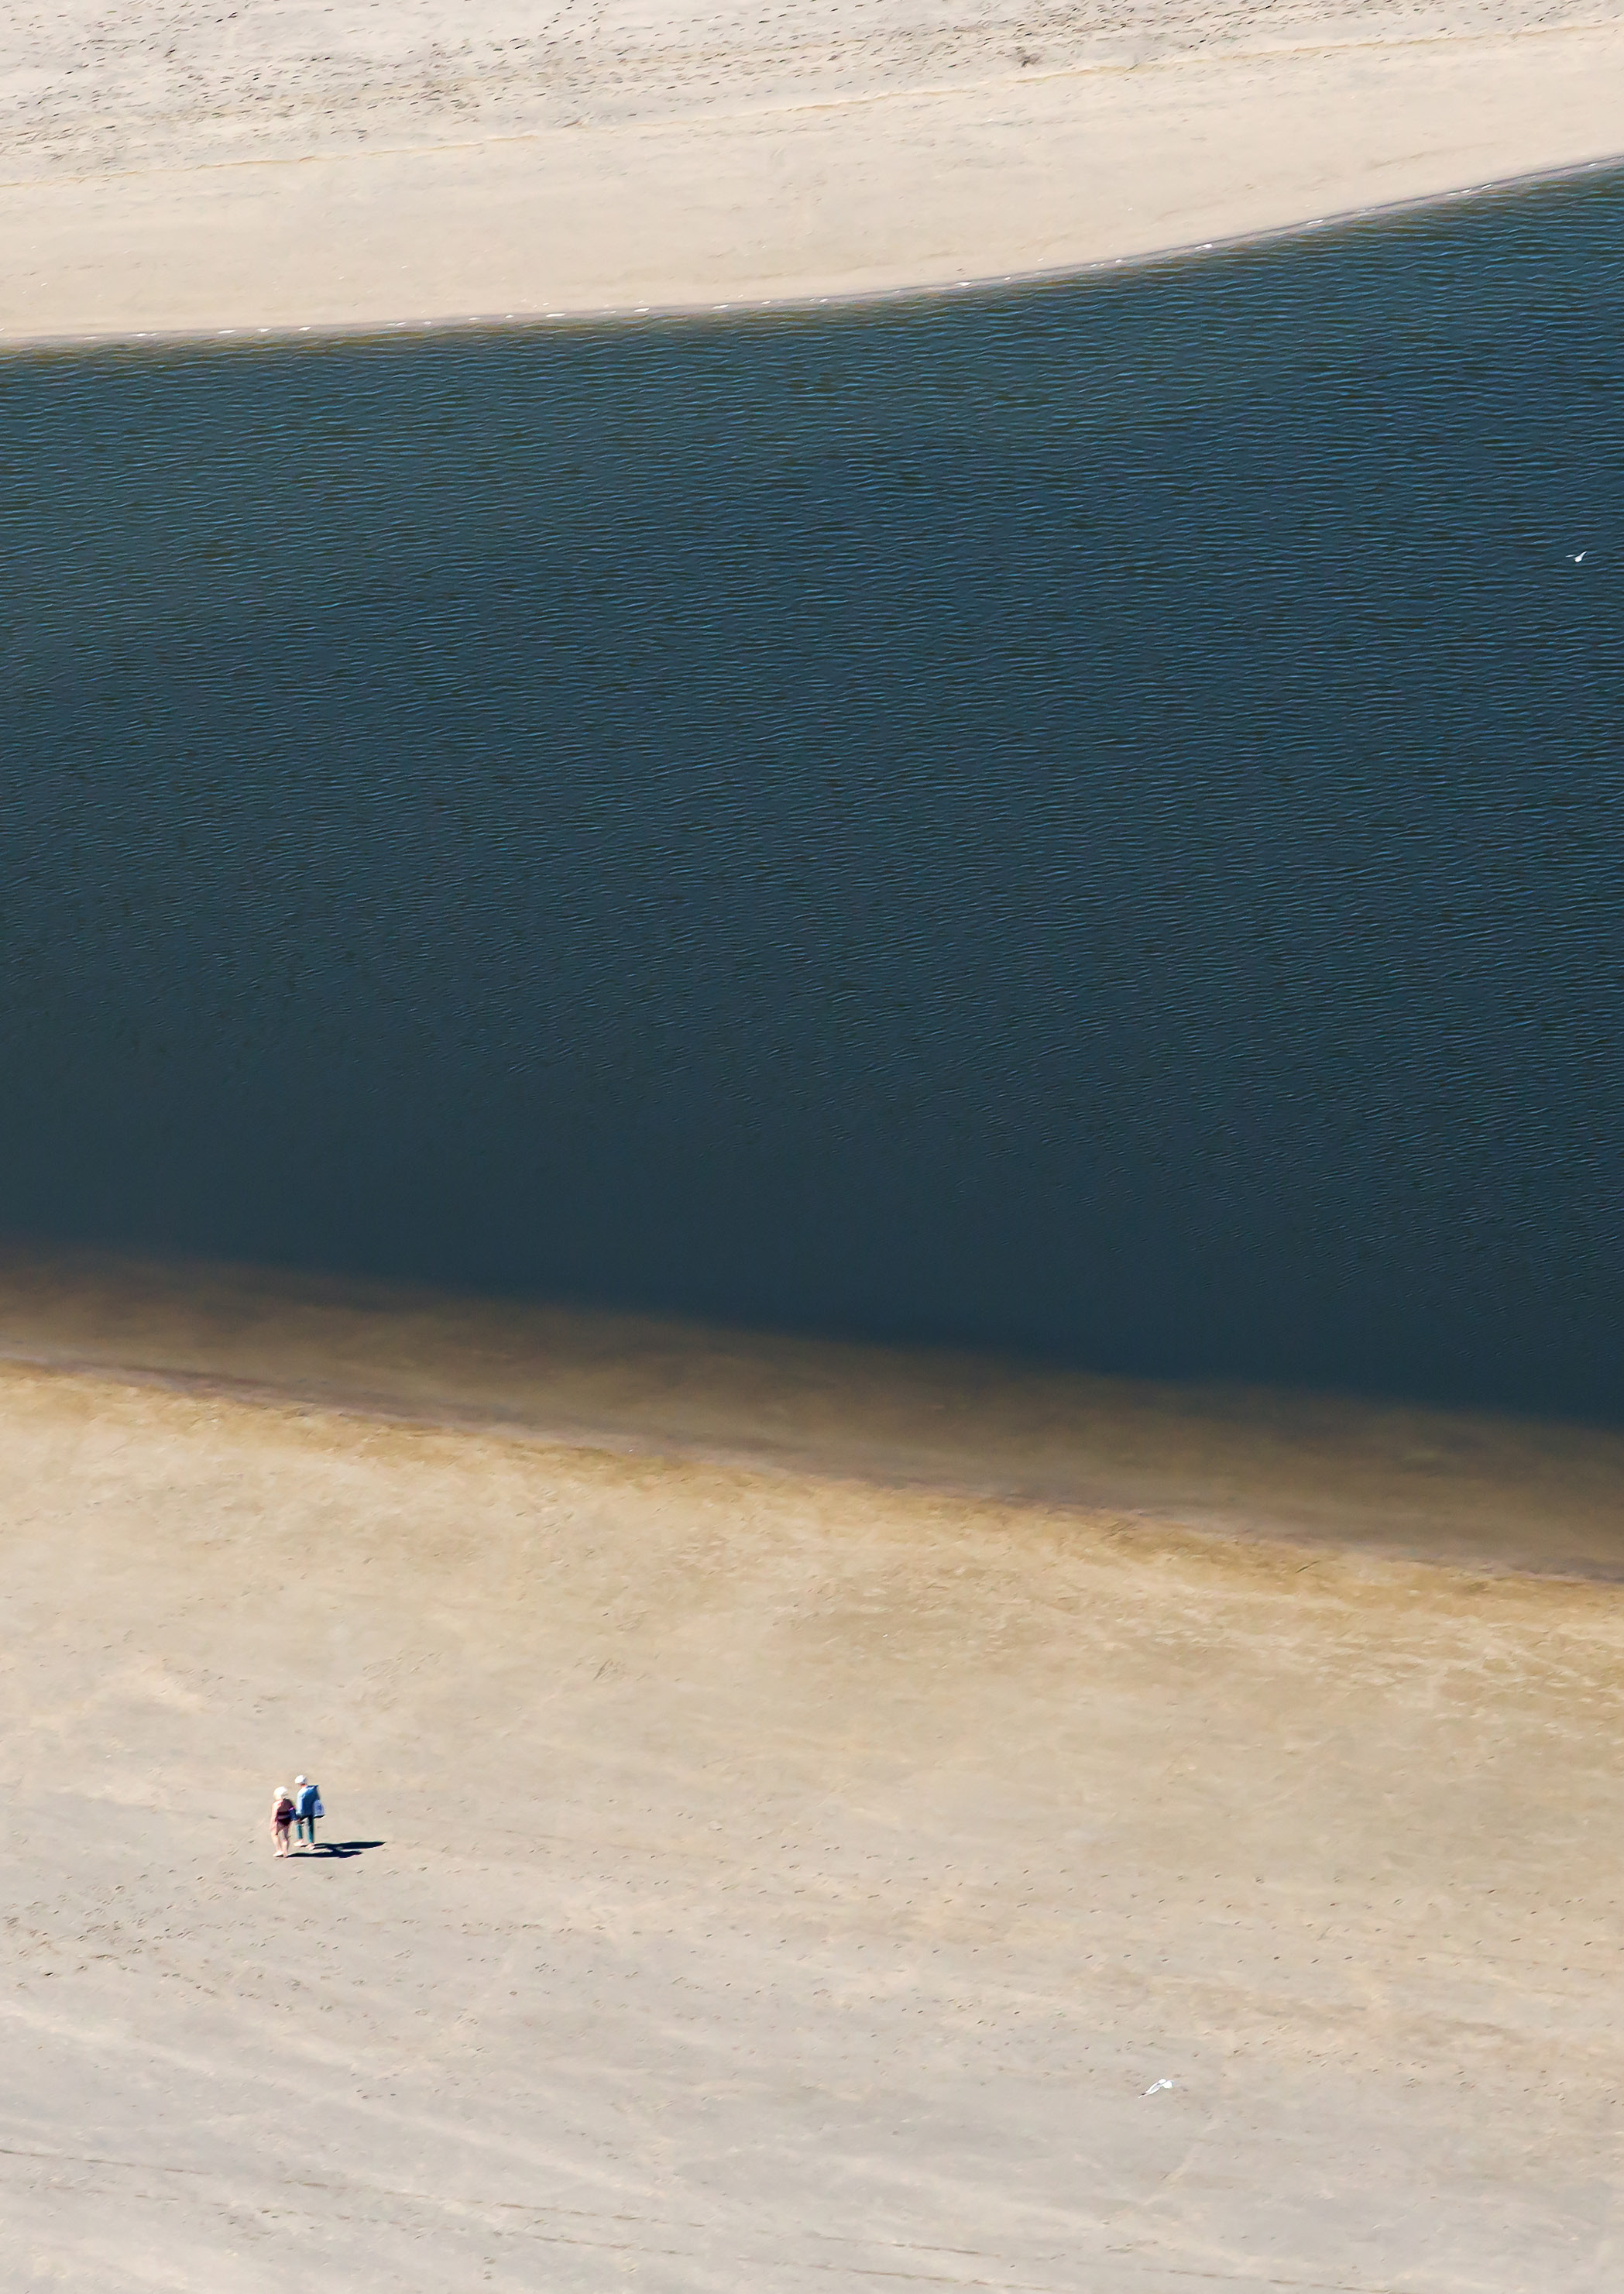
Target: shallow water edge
{"type": "Point", "coordinates": [1477, 1493]}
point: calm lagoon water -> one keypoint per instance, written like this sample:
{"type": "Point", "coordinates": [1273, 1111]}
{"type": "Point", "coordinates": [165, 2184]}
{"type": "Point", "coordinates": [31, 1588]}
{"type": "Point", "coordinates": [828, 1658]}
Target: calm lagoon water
{"type": "Point", "coordinates": [1085, 819]}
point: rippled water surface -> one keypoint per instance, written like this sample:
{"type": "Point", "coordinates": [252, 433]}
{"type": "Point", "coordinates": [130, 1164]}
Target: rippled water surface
{"type": "Point", "coordinates": [1088, 819]}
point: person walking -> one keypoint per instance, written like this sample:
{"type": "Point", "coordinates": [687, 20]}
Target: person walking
{"type": "Point", "coordinates": [281, 1820]}
{"type": "Point", "coordinates": [306, 1808]}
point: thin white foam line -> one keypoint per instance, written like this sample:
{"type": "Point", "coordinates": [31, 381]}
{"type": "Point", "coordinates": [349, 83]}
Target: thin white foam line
{"type": "Point", "coordinates": [1155, 259]}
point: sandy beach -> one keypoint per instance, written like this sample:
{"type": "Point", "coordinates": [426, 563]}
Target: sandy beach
{"type": "Point", "coordinates": [745, 1871]}
{"type": "Point", "coordinates": [799, 1817]}
{"type": "Point", "coordinates": [178, 170]}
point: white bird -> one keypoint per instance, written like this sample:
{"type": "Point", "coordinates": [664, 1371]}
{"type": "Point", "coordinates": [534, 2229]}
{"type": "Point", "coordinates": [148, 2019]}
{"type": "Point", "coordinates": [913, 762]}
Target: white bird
{"type": "Point", "coordinates": [1580, 560]}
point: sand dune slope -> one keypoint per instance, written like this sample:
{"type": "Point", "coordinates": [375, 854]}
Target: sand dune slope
{"type": "Point", "coordinates": [756, 1880]}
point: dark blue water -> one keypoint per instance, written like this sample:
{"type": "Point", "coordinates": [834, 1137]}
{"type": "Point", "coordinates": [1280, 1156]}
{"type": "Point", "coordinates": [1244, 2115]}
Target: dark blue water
{"type": "Point", "coordinates": [1086, 819]}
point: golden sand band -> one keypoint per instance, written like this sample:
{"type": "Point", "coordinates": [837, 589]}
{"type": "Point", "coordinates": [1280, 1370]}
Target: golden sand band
{"type": "Point", "coordinates": [201, 174]}
{"type": "Point", "coordinates": [1477, 1489]}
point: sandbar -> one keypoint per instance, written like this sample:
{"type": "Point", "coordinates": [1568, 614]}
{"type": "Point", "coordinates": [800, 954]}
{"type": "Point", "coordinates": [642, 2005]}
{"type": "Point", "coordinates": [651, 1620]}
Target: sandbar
{"type": "Point", "coordinates": [182, 171]}
{"type": "Point", "coordinates": [752, 1862]}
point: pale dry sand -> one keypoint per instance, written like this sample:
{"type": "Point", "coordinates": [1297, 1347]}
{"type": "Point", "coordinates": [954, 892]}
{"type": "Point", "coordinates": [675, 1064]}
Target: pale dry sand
{"type": "Point", "coordinates": [167, 166]}
{"type": "Point", "coordinates": [767, 1877]}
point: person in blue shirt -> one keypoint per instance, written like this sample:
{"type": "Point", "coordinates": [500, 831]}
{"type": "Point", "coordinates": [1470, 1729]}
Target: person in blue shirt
{"type": "Point", "coordinates": [306, 1808]}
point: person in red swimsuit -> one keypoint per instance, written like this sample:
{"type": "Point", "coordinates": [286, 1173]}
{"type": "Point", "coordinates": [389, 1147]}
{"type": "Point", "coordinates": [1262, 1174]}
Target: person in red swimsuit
{"type": "Point", "coordinates": [281, 1818]}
